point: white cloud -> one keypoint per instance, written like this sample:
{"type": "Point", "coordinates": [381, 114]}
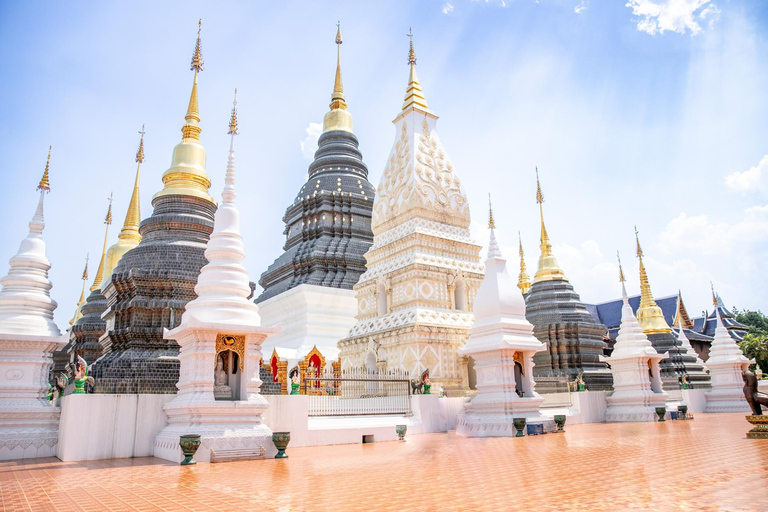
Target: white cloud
{"type": "Point", "coordinates": [581, 7]}
{"type": "Point", "coordinates": [501, 3]}
{"type": "Point", "coordinates": [659, 16]}
{"type": "Point", "coordinates": [753, 179]}
{"type": "Point", "coordinates": [309, 144]}
{"type": "Point", "coordinates": [447, 7]}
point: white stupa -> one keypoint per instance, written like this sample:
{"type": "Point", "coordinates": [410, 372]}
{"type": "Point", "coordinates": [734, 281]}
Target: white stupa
{"type": "Point", "coordinates": [502, 343]}
{"type": "Point", "coordinates": [635, 368]}
{"type": "Point", "coordinates": [29, 424]}
{"type": "Point", "coordinates": [685, 344]}
{"type": "Point", "coordinates": [220, 339]}
{"type": "Point", "coordinates": [726, 365]}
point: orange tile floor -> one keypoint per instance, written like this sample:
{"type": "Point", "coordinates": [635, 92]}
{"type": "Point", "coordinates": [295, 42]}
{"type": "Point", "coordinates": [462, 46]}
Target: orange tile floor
{"type": "Point", "coordinates": [705, 464]}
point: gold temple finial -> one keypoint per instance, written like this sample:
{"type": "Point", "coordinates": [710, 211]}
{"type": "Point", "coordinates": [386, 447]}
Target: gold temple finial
{"type": "Point", "coordinates": [140, 151]}
{"type": "Point", "coordinates": [523, 280]}
{"type": "Point", "coordinates": [414, 97]}
{"type": "Point", "coordinates": [78, 311]}
{"type": "Point", "coordinates": [100, 271]}
{"type": "Point", "coordinates": [549, 269]}
{"type": "Point", "coordinates": [621, 270]}
{"type": "Point", "coordinates": [191, 130]}
{"type": "Point", "coordinates": [649, 314]}
{"type": "Point", "coordinates": [337, 98]}
{"type": "Point", "coordinates": [491, 222]}
{"type": "Point", "coordinates": [714, 295]}
{"type": "Point", "coordinates": [233, 118]}
{"type": "Point", "coordinates": [44, 183]}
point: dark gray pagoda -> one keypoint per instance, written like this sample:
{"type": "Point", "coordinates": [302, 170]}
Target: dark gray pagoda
{"type": "Point", "coordinates": [328, 225]}
{"type": "Point", "coordinates": [153, 282]}
{"type": "Point", "coordinates": [575, 341]}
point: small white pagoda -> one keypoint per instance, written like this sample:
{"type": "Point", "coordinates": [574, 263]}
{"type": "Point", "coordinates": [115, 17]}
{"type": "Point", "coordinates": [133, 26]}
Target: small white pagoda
{"type": "Point", "coordinates": [29, 424]}
{"type": "Point", "coordinates": [502, 344]}
{"type": "Point", "coordinates": [726, 365]}
{"type": "Point", "coordinates": [220, 339]}
{"type": "Point", "coordinates": [635, 368]}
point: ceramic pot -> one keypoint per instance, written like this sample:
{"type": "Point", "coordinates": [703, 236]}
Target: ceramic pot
{"type": "Point", "coordinates": [401, 430]}
{"type": "Point", "coordinates": [519, 424]}
{"type": "Point", "coordinates": [661, 411]}
{"type": "Point", "coordinates": [560, 422]}
{"type": "Point", "coordinates": [682, 412]}
{"type": "Point", "coordinates": [189, 444]}
{"type": "Point", "coordinates": [281, 440]}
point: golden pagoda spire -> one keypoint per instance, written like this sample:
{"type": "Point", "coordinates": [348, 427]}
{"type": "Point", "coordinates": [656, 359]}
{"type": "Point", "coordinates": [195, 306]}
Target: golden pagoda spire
{"type": "Point", "coordinates": [414, 97]}
{"type": "Point", "coordinates": [549, 269]}
{"type": "Point", "coordinates": [191, 130]}
{"type": "Point", "coordinates": [100, 272]}
{"type": "Point", "coordinates": [129, 236]}
{"type": "Point", "coordinates": [622, 280]}
{"type": "Point", "coordinates": [523, 280]}
{"type": "Point", "coordinates": [78, 312]}
{"type": "Point", "coordinates": [44, 183]}
{"type": "Point", "coordinates": [491, 222]}
{"type": "Point", "coordinates": [187, 176]}
{"type": "Point", "coordinates": [338, 118]}
{"type": "Point", "coordinates": [649, 314]}
{"type": "Point", "coordinates": [233, 118]}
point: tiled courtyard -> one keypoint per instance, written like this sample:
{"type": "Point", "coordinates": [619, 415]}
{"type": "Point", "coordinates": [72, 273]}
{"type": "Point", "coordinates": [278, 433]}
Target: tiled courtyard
{"type": "Point", "coordinates": [705, 464]}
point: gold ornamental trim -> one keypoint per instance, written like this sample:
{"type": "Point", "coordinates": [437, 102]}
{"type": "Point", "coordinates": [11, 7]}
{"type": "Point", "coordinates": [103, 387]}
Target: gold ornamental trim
{"type": "Point", "coordinates": [230, 343]}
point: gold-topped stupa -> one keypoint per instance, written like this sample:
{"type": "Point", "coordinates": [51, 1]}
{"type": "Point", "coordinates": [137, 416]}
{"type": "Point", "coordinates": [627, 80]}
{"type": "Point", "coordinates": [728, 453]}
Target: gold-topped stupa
{"type": "Point", "coordinates": [129, 236]}
{"type": "Point", "coordinates": [338, 118]}
{"type": "Point", "coordinates": [523, 280]}
{"type": "Point", "coordinates": [649, 315]}
{"type": "Point", "coordinates": [187, 175]}
{"type": "Point", "coordinates": [549, 269]}
{"type": "Point", "coordinates": [102, 262]}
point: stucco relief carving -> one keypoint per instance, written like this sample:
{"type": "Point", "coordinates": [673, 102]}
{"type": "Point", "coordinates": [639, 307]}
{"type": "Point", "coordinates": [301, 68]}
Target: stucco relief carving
{"type": "Point", "coordinates": [394, 190]}
{"type": "Point", "coordinates": [14, 374]}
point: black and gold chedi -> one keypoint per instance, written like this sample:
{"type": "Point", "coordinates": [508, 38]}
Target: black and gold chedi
{"type": "Point", "coordinates": [153, 282]}
{"type": "Point", "coordinates": [328, 226]}
{"type": "Point", "coordinates": [561, 321]}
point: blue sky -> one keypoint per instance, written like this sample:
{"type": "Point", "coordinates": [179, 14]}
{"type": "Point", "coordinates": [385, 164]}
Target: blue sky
{"type": "Point", "coordinates": [650, 113]}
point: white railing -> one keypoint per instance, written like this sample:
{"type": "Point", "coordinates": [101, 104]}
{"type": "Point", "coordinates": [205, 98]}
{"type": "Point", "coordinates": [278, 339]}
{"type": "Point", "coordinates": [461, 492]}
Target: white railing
{"type": "Point", "coordinates": [358, 392]}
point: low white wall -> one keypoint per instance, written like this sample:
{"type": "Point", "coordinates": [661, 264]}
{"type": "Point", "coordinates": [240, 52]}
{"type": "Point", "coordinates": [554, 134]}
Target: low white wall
{"type": "Point", "coordinates": [586, 407]}
{"type": "Point", "coordinates": [110, 426]}
{"type": "Point", "coordinates": [695, 399]}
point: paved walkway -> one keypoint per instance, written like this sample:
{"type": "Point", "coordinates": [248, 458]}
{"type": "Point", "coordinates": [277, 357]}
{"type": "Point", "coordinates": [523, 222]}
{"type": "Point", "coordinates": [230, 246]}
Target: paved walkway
{"type": "Point", "coordinates": [706, 464]}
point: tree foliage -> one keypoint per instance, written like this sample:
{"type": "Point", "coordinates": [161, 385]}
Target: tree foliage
{"type": "Point", "coordinates": [755, 344]}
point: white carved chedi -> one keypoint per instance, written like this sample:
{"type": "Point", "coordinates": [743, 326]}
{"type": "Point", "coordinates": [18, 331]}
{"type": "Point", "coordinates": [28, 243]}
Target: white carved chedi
{"type": "Point", "coordinates": [502, 344]}
{"type": "Point", "coordinates": [726, 366]}
{"type": "Point", "coordinates": [634, 365]}
{"type": "Point", "coordinates": [28, 337]}
{"type": "Point", "coordinates": [415, 299]}
{"type": "Point", "coordinates": [220, 318]}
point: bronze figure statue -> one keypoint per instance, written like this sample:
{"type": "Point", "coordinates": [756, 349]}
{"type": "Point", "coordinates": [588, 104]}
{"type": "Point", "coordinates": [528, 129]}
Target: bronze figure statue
{"type": "Point", "coordinates": [755, 398]}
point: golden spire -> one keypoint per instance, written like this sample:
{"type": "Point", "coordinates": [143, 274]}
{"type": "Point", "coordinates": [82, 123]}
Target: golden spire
{"type": "Point", "coordinates": [714, 295]}
{"type": "Point", "coordinates": [681, 313]}
{"type": "Point", "coordinates": [523, 280]}
{"type": "Point", "coordinates": [100, 272]}
{"type": "Point", "coordinates": [414, 97]}
{"type": "Point", "coordinates": [337, 98]}
{"type": "Point", "coordinates": [187, 176]}
{"type": "Point", "coordinates": [44, 183]}
{"type": "Point", "coordinates": [233, 118]}
{"type": "Point", "coordinates": [191, 130]}
{"type": "Point", "coordinates": [491, 223]}
{"type": "Point", "coordinates": [549, 269]}
{"type": "Point", "coordinates": [338, 118]}
{"type": "Point", "coordinates": [78, 312]}
{"type": "Point", "coordinates": [649, 314]}
{"type": "Point", "coordinates": [621, 270]}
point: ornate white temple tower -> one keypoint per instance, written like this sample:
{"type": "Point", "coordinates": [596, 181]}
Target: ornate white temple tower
{"type": "Point", "coordinates": [502, 344]}
{"type": "Point", "coordinates": [415, 298]}
{"type": "Point", "coordinates": [29, 424]}
{"type": "Point", "coordinates": [219, 339]}
{"type": "Point", "coordinates": [635, 369]}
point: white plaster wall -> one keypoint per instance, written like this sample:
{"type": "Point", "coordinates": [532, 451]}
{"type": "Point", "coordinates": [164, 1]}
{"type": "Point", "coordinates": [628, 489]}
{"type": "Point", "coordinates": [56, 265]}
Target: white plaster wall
{"type": "Point", "coordinates": [695, 399]}
{"type": "Point", "coordinates": [109, 426]}
{"type": "Point", "coordinates": [309, 315]}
